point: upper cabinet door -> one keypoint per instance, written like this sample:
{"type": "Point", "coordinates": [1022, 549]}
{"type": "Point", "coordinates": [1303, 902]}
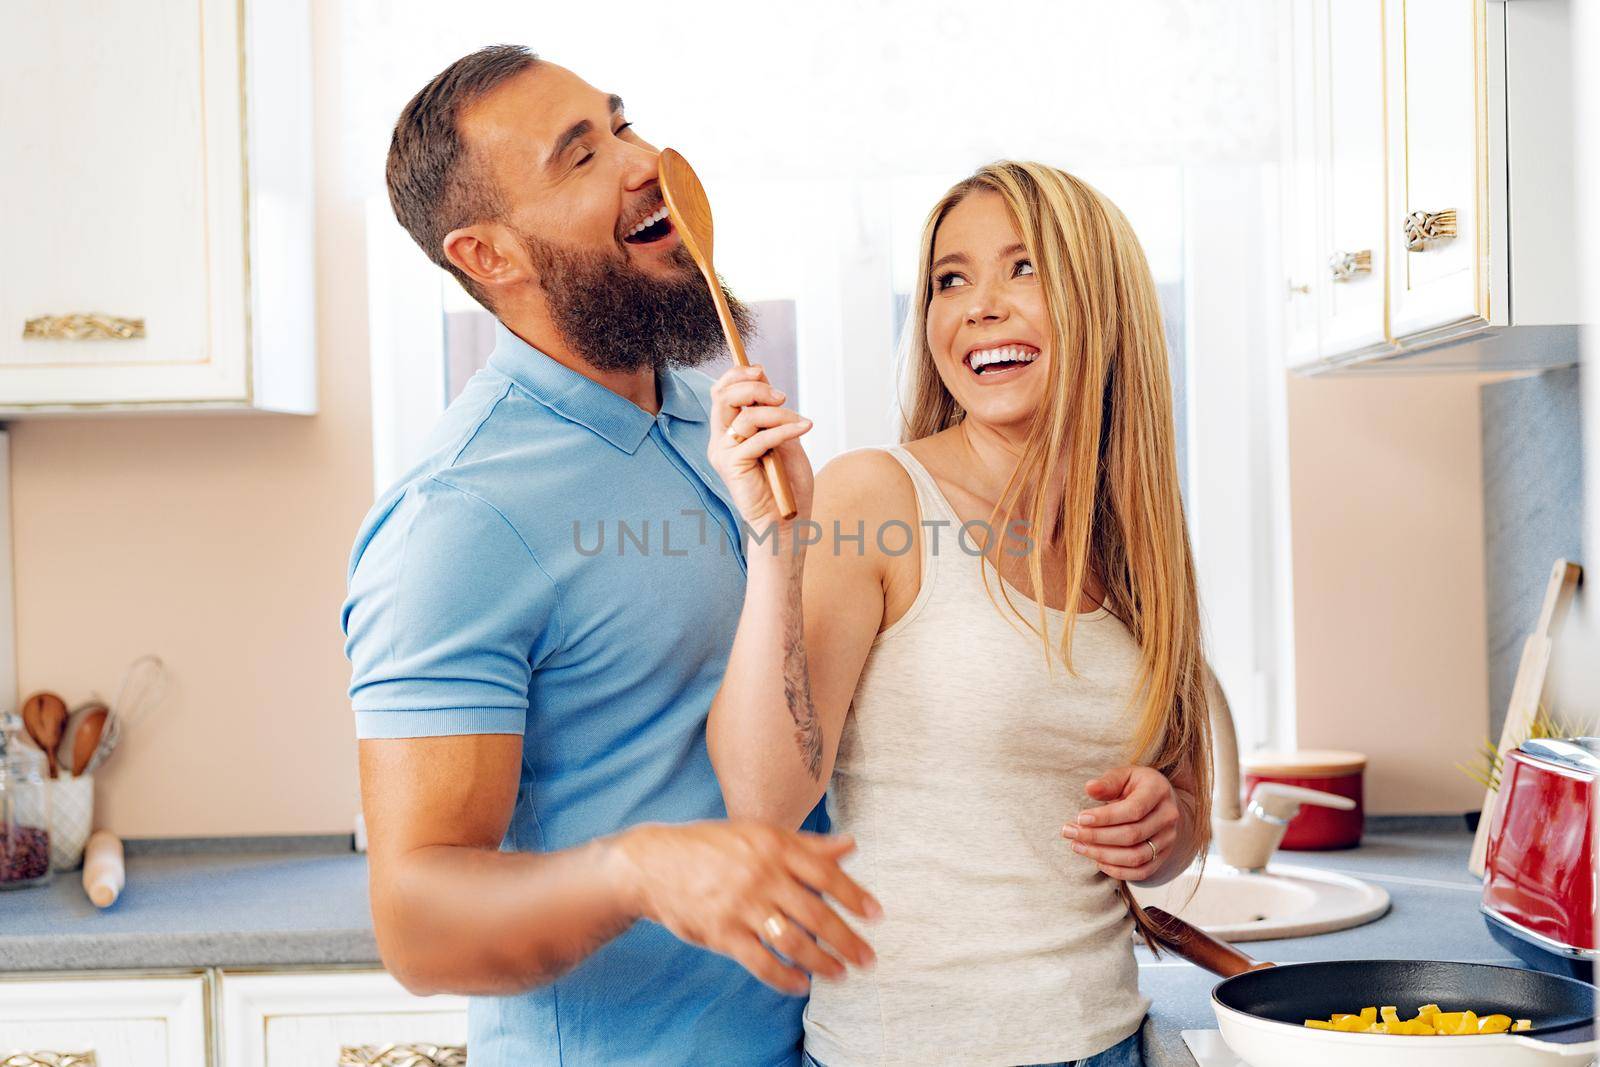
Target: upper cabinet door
{"type": "Point", "coordinates": [1437, 166]}
{"type": "Point", "coordinates": [155, 206]}
{"type": "Point", "coordinates": [1304, 284]}
{"type": "Point", "coordinates": [1351, 172]}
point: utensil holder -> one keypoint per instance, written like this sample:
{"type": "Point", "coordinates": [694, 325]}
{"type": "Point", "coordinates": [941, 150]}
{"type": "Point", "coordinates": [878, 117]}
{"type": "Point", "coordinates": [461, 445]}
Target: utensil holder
{"type": "Point", "coordinates": [71, 817]}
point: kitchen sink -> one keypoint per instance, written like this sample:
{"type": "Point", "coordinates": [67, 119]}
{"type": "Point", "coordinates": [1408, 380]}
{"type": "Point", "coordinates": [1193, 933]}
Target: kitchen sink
{"type": "Point", "coordinates": [1237, 905]}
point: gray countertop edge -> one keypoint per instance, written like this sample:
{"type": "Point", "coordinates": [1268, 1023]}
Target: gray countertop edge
{"type": "Point", "coordinates": [81, 953]}
{"type": "Point", "coordinates": [251, 844]}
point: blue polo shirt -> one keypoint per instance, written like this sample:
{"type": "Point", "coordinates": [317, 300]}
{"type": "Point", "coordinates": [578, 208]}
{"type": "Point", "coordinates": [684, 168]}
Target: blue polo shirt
{"type": "Point", "coordinates": [566, 566]}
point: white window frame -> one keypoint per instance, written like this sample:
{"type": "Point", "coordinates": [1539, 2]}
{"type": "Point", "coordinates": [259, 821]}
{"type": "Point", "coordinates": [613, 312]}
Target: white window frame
{"type": "Point", "coordinates": [1238, 459]}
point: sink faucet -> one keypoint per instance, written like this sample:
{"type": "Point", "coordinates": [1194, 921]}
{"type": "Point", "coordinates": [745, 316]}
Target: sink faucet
{"type": "Point", "coordinates": [1247, 838]}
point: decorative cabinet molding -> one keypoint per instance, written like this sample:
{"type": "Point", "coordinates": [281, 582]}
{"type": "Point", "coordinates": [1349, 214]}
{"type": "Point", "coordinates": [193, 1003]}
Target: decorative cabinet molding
{"type": "Point", "coordinates": [104, 1022]}
{"type": "Point", "coordinates": [292, 1018]}
{"type": "Point", "coordinates": [1424, 140]}
{"type": "Point", "coordinates": [348, 1018]}
{"type": "Point", "coordinates": [413, 1055]}
{"type": "Point", "coordinates": [156, 207]}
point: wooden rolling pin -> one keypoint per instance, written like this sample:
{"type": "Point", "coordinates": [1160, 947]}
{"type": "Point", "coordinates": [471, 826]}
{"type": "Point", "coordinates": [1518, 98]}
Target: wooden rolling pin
{"type": "Point", "coordinates": [103, 873]}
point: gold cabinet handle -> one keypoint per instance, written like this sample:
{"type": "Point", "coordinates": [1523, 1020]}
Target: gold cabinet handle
{"type": "Point", "coordinates": [1422, 227]}
{"type": "Point", "coordinates": [400, 1055]}
{"type": "Point", "coordinates": [1346, 265]}
{"type": "Point", "coordinates": [81, 326]}
{"type": "Point", "coordinates": [49, 1059]}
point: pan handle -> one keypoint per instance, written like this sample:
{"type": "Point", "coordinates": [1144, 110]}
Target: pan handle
{"type": "Point", "coordinates": [1199, 947]}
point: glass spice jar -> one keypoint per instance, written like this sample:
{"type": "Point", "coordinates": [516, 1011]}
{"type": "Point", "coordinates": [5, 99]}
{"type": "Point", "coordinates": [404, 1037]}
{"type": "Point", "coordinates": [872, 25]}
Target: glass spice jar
{"type": "Point", "coordinates": [24, 810]}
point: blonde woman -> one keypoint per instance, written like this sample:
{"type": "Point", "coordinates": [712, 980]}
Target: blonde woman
{"type": "Point", "coordinates": [983, 645]}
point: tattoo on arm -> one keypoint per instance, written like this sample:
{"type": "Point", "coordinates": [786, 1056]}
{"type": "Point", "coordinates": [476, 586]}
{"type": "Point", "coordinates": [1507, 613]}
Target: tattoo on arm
{"type": "Point", "coordinates": [797, 683]}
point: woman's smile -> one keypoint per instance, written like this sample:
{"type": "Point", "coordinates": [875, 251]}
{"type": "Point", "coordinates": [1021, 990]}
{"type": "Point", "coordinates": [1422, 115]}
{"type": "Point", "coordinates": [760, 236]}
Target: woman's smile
{"type": "Point", "coordinates": [1000, 361]}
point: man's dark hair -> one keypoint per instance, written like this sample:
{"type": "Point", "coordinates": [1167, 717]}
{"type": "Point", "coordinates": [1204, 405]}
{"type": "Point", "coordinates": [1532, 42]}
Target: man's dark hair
{"type": "Point", "coordinates": [434, 184]}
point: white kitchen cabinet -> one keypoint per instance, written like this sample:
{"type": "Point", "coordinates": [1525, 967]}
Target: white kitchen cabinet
{"type": "Point", "coordinates": [300, 1019]}
{"type": "Point", "coordinates": [156, 207]}
{"type": "Point", "coordinates": [123, 1022]}
{"type": "Point", "coordinates": [1438, 183]}
{"type": "Point", "coordinates": [1350, 153]}
{"type": "Point", "coordinates": [1443, 196]}
{"type": "Point", "coordinates": [1302, 239]}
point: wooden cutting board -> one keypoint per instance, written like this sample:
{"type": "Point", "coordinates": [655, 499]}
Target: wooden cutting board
{"type": "Point", "coordinates": [1528, 690]}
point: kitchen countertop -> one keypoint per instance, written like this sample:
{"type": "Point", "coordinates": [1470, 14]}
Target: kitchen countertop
{"type": "Point", "coordinates": [250, 902]}
{"type": "Point", "coordinates": [269, 902]}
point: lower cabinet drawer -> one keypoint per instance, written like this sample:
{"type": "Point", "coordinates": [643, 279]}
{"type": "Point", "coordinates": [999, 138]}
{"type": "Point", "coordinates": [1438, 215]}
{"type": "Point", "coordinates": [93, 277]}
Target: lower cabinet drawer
{"type": "Point", "coordinates": [103, 1022]}
{"type": "Point", "coordinates": [344, 1019]}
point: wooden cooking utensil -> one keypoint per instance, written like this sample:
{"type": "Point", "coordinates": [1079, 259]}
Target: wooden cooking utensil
{"type": "Point", "coordinates": [690, 212]}
{"type": "Point", "coordinates": [86, 737]}
{"type": "Point", "coordinates": [72, 734]}
{"type": "Point", "coordinates": [44, 715]}
{"type": "Point", "coordinates": [1528, 691]}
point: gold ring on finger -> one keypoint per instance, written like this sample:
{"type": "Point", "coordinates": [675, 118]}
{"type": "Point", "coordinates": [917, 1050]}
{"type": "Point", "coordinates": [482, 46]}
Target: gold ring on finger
{"type": "Point", "coordinates": [1154, 852]}
{"type": "Point", "coordinates": [733, 435]}
{"type": "Point", "coordinates": [775, 926]}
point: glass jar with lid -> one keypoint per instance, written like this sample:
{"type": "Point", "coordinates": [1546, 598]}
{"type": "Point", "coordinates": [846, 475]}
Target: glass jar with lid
{"type": "Point", "coordinates": [24, 810]}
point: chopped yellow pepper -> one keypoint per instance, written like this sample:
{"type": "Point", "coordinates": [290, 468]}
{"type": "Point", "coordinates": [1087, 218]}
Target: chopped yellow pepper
{"type": "Point", "coordinates": [1429, 1022]}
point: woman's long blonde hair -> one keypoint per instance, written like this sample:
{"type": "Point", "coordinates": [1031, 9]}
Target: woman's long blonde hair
{"type": "Point", "coordinates": [1097, 481]}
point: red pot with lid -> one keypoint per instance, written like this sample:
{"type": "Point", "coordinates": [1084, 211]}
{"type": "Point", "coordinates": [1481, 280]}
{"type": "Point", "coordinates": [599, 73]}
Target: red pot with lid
{"type": "Point", "coordinates": [1332, 771]}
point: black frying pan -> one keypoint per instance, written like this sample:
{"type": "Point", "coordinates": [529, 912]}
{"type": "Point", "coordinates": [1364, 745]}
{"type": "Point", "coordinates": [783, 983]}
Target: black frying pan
{"type": "Point", "coordinates": [1262, 1008]}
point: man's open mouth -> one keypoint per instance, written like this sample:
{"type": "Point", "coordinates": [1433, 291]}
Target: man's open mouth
{"type": "Point", "coordinates": [999, 358]}
{"type": "Point", "coordinates": [651, 228]}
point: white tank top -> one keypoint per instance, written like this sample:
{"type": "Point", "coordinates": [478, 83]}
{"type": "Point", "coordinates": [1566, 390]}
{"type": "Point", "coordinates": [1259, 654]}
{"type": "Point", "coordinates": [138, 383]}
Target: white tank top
{"type": "Point", "coordinates": [961, 757]}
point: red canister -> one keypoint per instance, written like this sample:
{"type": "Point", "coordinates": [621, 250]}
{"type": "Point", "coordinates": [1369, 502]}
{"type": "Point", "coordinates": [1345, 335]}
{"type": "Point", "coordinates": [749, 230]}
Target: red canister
{"type": "Point", "coordinates": [1316, 827]}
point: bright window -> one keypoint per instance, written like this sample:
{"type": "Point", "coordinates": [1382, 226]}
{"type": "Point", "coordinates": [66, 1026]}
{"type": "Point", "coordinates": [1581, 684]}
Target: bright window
{"type": "Point", "coordinates": [825, 132]}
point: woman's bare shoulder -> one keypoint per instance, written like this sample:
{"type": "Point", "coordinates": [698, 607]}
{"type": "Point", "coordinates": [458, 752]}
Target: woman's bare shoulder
{"type": "Point", "coordinates": [866, 483]}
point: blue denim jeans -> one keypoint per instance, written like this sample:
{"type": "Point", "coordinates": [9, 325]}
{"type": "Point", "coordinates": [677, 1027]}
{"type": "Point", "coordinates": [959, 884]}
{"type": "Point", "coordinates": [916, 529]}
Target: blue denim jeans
{"type": "Point", "coordinates": [1128, 1052]}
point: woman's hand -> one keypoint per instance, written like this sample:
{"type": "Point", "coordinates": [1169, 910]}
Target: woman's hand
{"type": "Point", "coordinates": [1129, 834]}
{"type": "Point", "coordinates": [747, 423]}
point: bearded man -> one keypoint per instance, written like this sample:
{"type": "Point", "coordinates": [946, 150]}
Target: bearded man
{"type": "Point", "coordinates": [545, 832]}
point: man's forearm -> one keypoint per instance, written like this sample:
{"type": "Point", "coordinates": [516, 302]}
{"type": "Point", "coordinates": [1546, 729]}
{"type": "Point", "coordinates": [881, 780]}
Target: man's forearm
{"type": "Point", "coordinates": [451, 919]}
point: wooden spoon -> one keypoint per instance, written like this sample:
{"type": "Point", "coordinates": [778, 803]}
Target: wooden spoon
{"type": "Point", "coordinates": [45, 716]}
{"type": "Point", "coordinates": [79, 749]}
{"type": "Point", "coordinates": [690, 212]}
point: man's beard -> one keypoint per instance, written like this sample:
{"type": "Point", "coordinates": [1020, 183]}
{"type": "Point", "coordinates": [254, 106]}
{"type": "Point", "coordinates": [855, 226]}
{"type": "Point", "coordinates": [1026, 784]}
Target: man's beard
{"type": "Point", "coordinates": [618, 318]}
